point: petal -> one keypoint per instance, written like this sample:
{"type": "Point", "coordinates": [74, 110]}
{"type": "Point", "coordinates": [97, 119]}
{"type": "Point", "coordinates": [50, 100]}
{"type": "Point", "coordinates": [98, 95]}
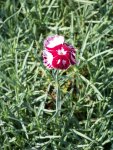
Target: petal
{"type": "Point", "coordinates": [47, 59]}
{"type": "Point", "coordinates": [72, 59]}
{"type": "Point", "coordinates": [69, 47]}
{"type": "Point", "coordinates": [53, 41]}
{"type": "Point", "coordinates": [71, 52]}
{"type": "Point", "coordinates": [60, 62]}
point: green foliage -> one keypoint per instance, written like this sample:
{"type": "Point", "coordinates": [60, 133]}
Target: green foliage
{"type": "Point", "coordinates": [27, 88]}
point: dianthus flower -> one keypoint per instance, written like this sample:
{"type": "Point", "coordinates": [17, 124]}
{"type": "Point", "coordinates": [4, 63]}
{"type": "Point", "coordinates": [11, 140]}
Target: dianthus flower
{"type": "Point", "coordinates": [57, 54]}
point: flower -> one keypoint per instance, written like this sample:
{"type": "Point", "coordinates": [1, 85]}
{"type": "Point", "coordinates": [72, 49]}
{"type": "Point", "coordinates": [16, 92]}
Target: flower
{"type": "Point", "coordinates": [57, 54]}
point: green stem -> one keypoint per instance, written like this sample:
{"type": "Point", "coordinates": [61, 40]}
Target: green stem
{"type": "Point", "coordinates": [58, 100]}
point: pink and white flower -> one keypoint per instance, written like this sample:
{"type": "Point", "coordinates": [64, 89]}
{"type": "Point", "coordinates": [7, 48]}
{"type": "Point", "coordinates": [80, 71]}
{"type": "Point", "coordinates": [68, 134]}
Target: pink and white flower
{"type": "Point", "coordinates": [57, 54]}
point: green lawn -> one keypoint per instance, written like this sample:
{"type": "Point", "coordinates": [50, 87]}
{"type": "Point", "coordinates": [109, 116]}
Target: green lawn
{"type": "Point", "coordinates": [27, 88]}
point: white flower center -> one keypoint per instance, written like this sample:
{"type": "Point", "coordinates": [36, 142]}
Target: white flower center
{"type": "Point", "coordinates": [61, 52]}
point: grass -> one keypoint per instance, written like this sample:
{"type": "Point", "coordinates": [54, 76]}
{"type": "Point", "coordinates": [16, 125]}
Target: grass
{"type": "Point", "coordinates": [27, 88]}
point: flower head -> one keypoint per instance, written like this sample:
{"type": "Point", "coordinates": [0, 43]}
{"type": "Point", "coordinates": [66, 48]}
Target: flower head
{"type": "Point", "coordinates": [57, 54]}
